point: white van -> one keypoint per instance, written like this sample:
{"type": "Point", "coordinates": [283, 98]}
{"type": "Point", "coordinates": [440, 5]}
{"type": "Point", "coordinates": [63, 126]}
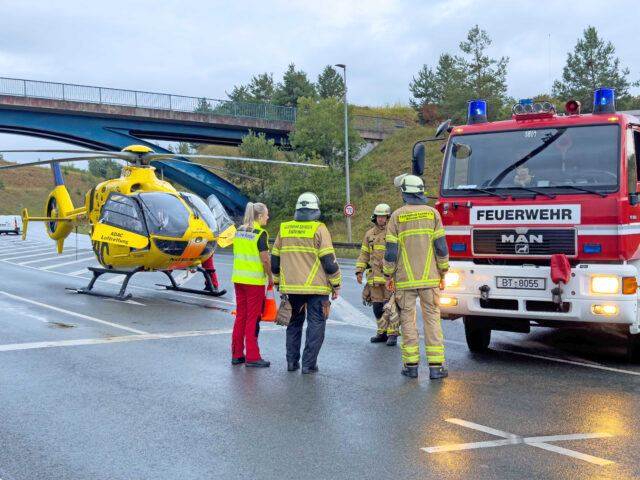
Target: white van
{"type": "Point", "coordinates": [10, 224]}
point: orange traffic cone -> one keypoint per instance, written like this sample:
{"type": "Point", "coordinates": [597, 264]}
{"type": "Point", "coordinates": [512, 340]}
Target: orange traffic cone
{"type": "Point", "coordinates": [270, 310]}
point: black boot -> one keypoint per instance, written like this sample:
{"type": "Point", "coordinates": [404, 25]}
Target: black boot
{"type": "Point", "coordinates": [380, 337]}
{"type": "Point", "coordinates": [410, 371]}
{"type": "Point", "coordinates": [392, 340]}
{"type": "Point", "coordinates": [237, 361]}
{"type": "Point", "coordinates": [437, 372]}
{"type": "Point", "coordinates": [293, 366]}
{"type": "Point", "coordinates": [262, 363]}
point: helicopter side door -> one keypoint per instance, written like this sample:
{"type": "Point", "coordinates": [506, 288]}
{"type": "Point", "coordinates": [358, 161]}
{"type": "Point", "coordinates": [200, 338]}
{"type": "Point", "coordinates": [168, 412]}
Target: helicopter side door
{"type": "Point", "coordinates": [121, 227]}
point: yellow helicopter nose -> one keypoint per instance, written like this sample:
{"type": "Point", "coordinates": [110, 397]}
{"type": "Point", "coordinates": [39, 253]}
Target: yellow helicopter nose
{"type": "Point", "coordinates": [138, 149]}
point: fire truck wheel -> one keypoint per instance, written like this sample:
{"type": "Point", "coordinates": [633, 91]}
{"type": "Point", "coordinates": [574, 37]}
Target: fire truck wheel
{"type": "Point", "coordinates": [478, 335]}
{"type": "Point", "coordinates": [633, 348]}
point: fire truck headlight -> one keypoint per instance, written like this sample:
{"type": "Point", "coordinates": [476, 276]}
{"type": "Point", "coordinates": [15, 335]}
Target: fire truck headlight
{"type": "Point", "coordinates": [448, 301]}
{"type": "Point", "coordinates": [605, 284]}
{"type": "Point", "coordinates": [451, 279]}
{"type": "Point", "coordinates": [604, 309]}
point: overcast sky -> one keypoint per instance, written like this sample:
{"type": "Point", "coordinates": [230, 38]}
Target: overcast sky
{"type": "Point", "coordinates": [205, 47]}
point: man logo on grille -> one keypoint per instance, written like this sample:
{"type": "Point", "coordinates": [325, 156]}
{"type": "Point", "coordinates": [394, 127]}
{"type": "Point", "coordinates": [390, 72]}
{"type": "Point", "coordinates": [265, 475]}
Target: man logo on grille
{"type": "Point", "coordinates": [522, 248]}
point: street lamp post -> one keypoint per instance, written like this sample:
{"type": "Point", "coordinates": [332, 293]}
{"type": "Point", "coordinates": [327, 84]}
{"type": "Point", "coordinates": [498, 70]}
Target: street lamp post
{"type": "Point", "coordinates": [346, 145]}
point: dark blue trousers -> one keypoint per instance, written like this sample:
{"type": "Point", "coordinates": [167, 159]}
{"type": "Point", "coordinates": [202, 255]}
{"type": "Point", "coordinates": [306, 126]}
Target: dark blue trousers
{"type": "Point", "coordinates": [315, 328]}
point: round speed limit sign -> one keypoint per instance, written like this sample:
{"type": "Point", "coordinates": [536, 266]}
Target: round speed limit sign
{"type": "Point", "coordinates": [349, 210]}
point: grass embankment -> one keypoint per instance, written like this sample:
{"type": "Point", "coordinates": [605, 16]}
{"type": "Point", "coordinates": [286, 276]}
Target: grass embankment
{"type": "Point", "coordinates": [390, 158]}
{"type": "Point", "coordinates": [30, 187]}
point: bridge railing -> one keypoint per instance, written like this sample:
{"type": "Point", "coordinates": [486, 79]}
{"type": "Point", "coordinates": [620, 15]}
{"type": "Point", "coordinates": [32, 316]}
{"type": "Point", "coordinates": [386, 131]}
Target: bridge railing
{"type": "Point", "coordinates": [134, 98]}
{"type": "Point", "coordinates": [178, 103]}
{"type": "Point", "coordinates": [378, 124]}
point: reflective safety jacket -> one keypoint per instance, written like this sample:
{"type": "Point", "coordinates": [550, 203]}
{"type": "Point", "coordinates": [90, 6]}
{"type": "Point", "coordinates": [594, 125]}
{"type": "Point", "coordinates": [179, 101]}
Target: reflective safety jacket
{"type": "Point", "coordinates": [371, 255]}
{"type": "Point", "coordinates": [303, 260]}
{"type": "Point", "coordinates": [416, 252]}
{"type": "Point", "coordinates": [247, 264]}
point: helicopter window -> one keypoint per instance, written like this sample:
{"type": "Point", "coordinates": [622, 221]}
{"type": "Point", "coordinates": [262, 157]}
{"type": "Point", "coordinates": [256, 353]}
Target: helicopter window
{"type": "Point", "coordinates": [200, 208]}
{"type": "Point", "coordinates": [123, 212]}
{"type": "Point", "coordinates": [166, 215]}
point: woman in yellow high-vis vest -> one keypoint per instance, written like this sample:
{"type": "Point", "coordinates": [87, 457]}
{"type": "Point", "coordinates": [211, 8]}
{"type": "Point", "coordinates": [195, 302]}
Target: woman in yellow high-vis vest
{"type": "Point", "coordinates": [251, 268]}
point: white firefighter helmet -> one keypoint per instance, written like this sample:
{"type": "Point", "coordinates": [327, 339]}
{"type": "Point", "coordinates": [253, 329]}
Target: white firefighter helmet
{"type": "Point", "coordinates": [382, 209]}
{"type": "Point", "coordinates": [308, 200]}
{"type": "Point", "coordinates": [412, 184]}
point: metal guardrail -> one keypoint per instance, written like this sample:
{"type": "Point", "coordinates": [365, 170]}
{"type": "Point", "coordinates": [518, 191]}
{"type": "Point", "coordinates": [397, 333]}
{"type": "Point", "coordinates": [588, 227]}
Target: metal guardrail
{"type": "Point", "coordinates": [379, 124]}
{"type": "Point", "coordinates": [177, 103]}
{"type": "Point", "coordinates": [133, 98]}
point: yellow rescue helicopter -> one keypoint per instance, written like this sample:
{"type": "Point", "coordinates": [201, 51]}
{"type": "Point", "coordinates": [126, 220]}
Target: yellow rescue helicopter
{"type": "Point", "coordinates": [138, 222]}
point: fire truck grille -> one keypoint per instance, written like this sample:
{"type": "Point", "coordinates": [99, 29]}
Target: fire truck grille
{"type": "Point", "coordinates": [534, 242]}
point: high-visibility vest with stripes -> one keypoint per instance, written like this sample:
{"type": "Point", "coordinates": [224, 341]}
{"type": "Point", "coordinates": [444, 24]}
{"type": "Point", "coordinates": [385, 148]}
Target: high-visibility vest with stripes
{"type": "Point", "coordinates": [247, 264]}
{"type": "Point", "coordinates": [301, 268]}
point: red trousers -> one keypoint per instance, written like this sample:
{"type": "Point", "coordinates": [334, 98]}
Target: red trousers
{"type": "Point", "coordinates": [249, 301]}
{"type": "Point", "coordinates": [208, 263]}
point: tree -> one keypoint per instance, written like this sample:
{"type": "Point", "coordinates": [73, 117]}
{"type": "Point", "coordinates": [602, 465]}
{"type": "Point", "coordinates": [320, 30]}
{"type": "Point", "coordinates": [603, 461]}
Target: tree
{"type": "Point", "coordinates": [239, 94]}
{"type": "Point", "coordinates": [104, 168]}
{"type": "Point", "coordinates": [262, 88]}
{"type": "Point", "coordinates": [592, 65]}
{"type": "Point", "coordinates": [319, 131]}
{"type": "Point", "coordinates": [255, 146]}
{"type": "Point", "coordinates": [203, 106]}
{"type": "Point", "coordinates": [259, 90]}
{"type": "Point", "coordinates": [295, 84]}
{"type": "Point", "coordinates": [458, 79]}
{"type": "Point", "coordinates": [330, 83]}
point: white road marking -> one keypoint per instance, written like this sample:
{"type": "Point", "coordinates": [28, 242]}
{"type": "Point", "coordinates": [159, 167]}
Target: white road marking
{"type": "Point", "coordinates": [68, 312]}
{"type": "Point", "coordinates": [512, 439]}
{"type": "Point", "coordinates": [79, 272]}
{"type": "Point", "coordinates": [126, 338]}
{"type": "Point", "coordinates": [24, 250]}
{"type": "Point", "coordinates": [88, 259]}
{"type": "Point", "coordinates": [75, 254]}
{"type": "Point", "coordinates": [482, 428]}
{"type": "Point", "coordinates": [118, 279]}
{"type": "Point", "coordinates": [347, 311]}
{"type": "Point", "coordinates": [20, 257]}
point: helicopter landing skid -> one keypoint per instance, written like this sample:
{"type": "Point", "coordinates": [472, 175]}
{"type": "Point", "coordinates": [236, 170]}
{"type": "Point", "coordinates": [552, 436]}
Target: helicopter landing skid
{"type": "Point", "coordinates": [209, 289]}
{"type": "Point", "coordinates": [99, 271]}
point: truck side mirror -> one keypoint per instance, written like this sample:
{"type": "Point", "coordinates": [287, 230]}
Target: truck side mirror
{"type": "Point", "coordinates": [442, 127]}
{"type": "Point", "coordinates": [417, 162]}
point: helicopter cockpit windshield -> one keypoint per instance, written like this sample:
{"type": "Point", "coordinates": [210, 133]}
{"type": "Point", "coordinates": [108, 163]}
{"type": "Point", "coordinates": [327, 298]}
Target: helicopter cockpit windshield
{"type": "Point", "coordinates": [166, 215]}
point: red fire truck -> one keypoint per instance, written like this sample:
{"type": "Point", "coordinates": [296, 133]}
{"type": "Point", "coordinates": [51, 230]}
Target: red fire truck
{"type": "Point", "coordinates": [542, 216]}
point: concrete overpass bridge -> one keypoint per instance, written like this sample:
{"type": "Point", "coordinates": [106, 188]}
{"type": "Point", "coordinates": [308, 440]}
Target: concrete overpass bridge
{"type": "Point", "coordinates": [111, 119]}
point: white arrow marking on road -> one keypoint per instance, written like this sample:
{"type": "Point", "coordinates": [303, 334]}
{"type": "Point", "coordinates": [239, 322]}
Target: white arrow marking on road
{"type": "Point", "coordinates": [513, 439]}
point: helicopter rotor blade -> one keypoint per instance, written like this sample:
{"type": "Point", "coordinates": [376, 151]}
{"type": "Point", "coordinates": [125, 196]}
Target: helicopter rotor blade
{"type": "Point", "coordinates": [230, 172]}
{"type": "Point", "coordinates": [156, 156]}
{"type": "Point", "coordinates": [49, 162]}
{"type": "Point", "coordinates": [104, 153]}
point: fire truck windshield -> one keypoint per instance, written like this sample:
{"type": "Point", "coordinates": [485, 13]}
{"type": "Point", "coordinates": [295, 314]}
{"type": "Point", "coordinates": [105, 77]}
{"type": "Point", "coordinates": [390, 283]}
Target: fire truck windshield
{"type": "Point", "coordinates": [561, 160]}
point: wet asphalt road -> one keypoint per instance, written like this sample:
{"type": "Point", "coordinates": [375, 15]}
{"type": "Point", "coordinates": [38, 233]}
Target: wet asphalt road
{"type": "Point", "coordinates": [99, 389]}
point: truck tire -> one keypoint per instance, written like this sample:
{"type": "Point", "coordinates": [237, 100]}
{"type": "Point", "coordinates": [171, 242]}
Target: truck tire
{"type": "Point", "coordinates": [478, 336]}
{"type": "Point", "coordinates": [633, 348]}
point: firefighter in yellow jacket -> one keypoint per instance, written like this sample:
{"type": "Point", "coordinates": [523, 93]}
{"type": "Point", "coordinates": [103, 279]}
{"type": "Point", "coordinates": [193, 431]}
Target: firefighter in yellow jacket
{"type": "Point", "coordinates": [304, 265]}
{"type": "Point", "coordinates": [416, 259]}
{"type": "Point", "coordinates": [370, 261]}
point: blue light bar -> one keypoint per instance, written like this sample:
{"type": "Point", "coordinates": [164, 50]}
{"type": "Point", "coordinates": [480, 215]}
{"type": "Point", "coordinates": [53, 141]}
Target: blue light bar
{"type": "Point", "coordinates": [526, 101]}
{"type": "Point", "coordinates": [592, 248]}
{"type": "Point", "coordinates": [477, 112]}
{"type": "Point", "coordinates": [459, 247]}
{"type": "Point", "coordinates": [604, 101]}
